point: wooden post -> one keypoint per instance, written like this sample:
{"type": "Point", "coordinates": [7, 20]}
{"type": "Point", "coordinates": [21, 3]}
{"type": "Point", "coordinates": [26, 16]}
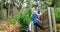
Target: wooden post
{"type": "Point", "coordinates": [32, 28]}
{"type": "Point", "coordinates": [50, 23]}
{"type": "Point", "coordinates": [53, 16]}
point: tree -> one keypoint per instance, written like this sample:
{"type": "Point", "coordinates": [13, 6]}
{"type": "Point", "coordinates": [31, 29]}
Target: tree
{"type": "Point", "coordinates": [52, 3]}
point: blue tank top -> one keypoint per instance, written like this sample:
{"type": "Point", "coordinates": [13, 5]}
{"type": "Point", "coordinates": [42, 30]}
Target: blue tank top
{"type": "Point", "coordinates": [34, 18]}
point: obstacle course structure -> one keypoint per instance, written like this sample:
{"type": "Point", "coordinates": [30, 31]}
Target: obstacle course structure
{"type": "Point", "coordinates": [48, 21]}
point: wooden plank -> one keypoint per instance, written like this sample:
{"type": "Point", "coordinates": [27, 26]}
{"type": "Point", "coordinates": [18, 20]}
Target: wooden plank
{"type": "Point", "coordinates": [45, 21]}
{"type": "Point", "coordinates": [50, 23]}
{"type": "Point", "coordinates": [53, 17]}
{"type": "Point", "coordinates": [32, 27]}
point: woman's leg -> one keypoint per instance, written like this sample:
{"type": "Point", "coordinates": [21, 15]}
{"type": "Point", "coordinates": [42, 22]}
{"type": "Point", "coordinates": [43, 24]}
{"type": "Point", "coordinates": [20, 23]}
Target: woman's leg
{"type": "Point", "coordinates": [40, 26]}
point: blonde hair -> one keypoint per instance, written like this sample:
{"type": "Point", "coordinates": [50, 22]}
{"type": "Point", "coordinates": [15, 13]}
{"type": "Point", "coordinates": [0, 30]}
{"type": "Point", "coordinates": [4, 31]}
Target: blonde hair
{"type": "Point", "coordinates": [34, 11]}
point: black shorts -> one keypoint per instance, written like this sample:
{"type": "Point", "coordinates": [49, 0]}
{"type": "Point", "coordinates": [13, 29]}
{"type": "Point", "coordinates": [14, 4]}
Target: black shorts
{"type": "Point", "coordinates": [39, 25]}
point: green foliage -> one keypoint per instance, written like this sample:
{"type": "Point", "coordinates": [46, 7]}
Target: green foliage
{"type": "Point", "coordinates": [57, 3]}
{"type": "Point", "coordinates": [5, 4]}
{"type": "Point", "coordinates": [24, 19]}
{"type": "Point", "coordinates": [48, 2]}
{"type": "Point", "coordinates": [11, 20]}
{"type": "Point", "coordinates": [57, 15]}
{"type": "Point", "coordinates": [28, 11]}
{"type": "Point", "coordinates": [1, 15]}
{"type": "Point", "coordinates": [28, 0]}
{"type": "Point", "coordinates": [17, 3]}
{"type": "Point", "coordinates": [52, 3]}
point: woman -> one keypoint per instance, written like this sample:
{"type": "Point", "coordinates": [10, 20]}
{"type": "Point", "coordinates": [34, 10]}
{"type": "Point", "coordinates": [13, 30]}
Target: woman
{"type": "Point", "coordinates": [35, 19]}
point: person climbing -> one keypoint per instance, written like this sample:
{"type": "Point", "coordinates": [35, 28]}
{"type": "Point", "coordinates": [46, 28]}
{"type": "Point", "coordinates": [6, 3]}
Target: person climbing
{"type": "Point", "coordinates": [36, 21]}
{"type": "Point", "coordinates": [39, 9]}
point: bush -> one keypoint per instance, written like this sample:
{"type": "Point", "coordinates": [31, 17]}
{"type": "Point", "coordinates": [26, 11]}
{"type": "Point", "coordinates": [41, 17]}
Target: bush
{"type": "Point", "coordinates": [57, 15]}
{"type": "Point", "coordinates": [24, 19]}
{"type": "Point", "coordinates": [11, 20]}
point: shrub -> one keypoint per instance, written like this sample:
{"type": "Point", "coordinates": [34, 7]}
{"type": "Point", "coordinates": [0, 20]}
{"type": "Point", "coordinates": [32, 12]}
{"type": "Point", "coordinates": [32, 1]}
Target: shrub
{"type": "Point", "coordinates": [57, 15]}
{"type": "Point", "coordinates": [11, 20]}
{"type": "Point", "coordinates": [24, 18]}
